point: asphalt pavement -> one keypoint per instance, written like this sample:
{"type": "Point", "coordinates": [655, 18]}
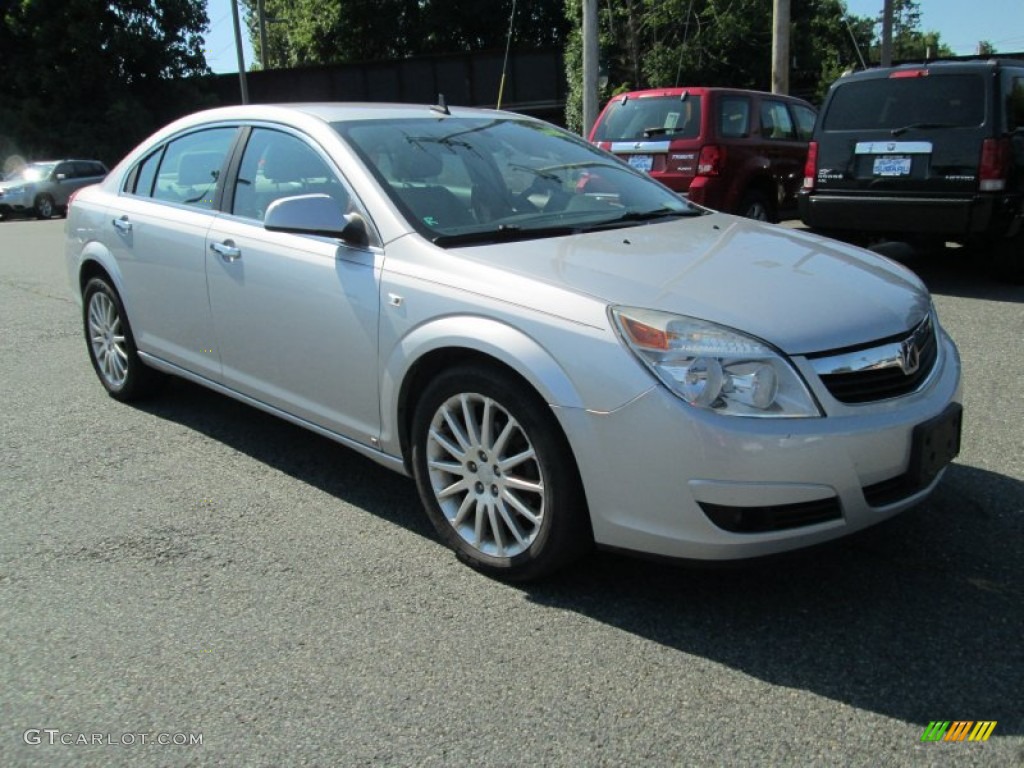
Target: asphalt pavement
{"type": "Point", "coordinates": [191, 569]}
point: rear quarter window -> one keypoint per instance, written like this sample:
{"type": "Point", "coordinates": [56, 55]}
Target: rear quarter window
{"type": "Point", "coordinates": [885, 104]}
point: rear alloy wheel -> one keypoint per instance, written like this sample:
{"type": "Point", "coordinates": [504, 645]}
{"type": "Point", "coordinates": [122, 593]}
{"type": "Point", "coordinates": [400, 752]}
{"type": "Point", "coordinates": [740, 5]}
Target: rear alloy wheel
{"type": "Point", "coordinates": [44, 207]}
{"type": "Point", "coordinates": [754, 205]}
{"type": "Point", "coordinates": [496, 475]}
{"type": "Point", "coordinates": [111, 345]}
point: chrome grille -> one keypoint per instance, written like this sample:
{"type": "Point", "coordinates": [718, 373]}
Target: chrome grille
{"type": "Point", "coordinates": [880, 370]}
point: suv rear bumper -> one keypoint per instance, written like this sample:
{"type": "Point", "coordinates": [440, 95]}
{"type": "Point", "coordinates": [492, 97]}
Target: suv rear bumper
{"type": "Point", "coordinates": [951, 216]}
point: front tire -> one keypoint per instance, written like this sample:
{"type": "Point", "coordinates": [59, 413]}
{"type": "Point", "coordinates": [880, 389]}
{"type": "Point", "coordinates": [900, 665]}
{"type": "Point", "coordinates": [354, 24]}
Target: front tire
{"type": "Point", "coordinates": [111, 345]}
{"type": "Point", "coordinates": [496, 475]}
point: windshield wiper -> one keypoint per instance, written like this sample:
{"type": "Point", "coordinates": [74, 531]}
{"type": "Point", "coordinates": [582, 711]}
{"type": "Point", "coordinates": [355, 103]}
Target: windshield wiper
{"type": "Point", "coordinates": [501, 234]}
{"type": "Point", "coordinates": [915, 126]}
{"type": "Point", "coordinates": [658, 131]}
{"type": "Point", "coordinates": [640, 216]}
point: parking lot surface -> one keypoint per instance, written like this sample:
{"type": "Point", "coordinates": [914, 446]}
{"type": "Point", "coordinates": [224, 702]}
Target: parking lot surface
{"type": "Point", "coordinates": [191, 566]}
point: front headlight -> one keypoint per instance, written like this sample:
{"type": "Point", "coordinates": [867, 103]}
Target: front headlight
{"type": "Point", "coordinates": [713, 367]}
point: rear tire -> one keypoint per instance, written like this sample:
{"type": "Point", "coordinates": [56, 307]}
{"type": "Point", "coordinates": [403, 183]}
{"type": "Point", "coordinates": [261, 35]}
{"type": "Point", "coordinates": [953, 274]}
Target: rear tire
{"type": "Point", "coordinates": [496, 475]}
{"type": "Point", "coordinates": [754, 205]}
{"type": "Point", "coordinates": [44, 207]}
{"type": "Point", "coordinates": [1008, 259]}
{"type": "Point", "coordinates": [111, 345]}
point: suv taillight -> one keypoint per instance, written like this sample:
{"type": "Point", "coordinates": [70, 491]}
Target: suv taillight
{"type": "Point", "coordinates": [711, 160]}
{"type": "Point", "coordinates": [995, 162]}
{"type": "Point", "coordinates": [811, 165]}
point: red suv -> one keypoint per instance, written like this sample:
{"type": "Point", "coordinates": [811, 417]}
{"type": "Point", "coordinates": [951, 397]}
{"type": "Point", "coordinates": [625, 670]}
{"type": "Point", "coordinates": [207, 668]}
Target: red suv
{"type": "Point", "coordinates": [733, 150]}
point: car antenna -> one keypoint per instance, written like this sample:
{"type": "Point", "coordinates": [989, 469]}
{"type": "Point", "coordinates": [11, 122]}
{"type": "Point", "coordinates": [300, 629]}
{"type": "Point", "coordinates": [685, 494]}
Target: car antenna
{"type": "Point", "coordinates": [441, 106]}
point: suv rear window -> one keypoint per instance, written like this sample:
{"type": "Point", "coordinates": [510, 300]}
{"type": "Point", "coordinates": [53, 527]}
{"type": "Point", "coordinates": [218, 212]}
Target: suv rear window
{"type": "Point", "coordinates": [936, 100]}
{"type": "Point", "coordinates": [650, 117]}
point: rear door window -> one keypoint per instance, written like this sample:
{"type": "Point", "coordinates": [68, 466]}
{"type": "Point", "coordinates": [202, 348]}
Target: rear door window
{"type": "Point", "coordinates": [733, 117]}
{"type": "Point", "coordinates": [191, 167]}
{"type": "Point", "coordinates": [954, 101]}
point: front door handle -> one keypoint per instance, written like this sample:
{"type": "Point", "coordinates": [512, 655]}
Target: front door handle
{"type": "Point", "coordinates": [122, 224]}
{"type": "Point", "coordinates": [227, 250]}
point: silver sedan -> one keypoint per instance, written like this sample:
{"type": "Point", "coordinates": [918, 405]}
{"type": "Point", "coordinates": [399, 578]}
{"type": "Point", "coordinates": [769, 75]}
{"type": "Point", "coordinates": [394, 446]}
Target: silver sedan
{"type": "Point", "coordinates": [558, 349]}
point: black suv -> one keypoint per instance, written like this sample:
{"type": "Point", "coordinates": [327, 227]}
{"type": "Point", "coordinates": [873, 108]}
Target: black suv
{"type": "Point", "coordinates": [928, 151]}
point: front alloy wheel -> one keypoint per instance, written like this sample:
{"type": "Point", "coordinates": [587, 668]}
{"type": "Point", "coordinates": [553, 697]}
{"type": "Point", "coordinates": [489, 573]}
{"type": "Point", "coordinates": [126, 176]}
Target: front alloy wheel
{"type": "Point", "coordinates": [496, 476]}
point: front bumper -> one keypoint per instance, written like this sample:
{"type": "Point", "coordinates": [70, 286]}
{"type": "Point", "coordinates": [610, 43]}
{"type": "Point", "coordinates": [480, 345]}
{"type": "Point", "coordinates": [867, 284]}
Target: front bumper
{"type": "Point", "coordinates": [656, 471]}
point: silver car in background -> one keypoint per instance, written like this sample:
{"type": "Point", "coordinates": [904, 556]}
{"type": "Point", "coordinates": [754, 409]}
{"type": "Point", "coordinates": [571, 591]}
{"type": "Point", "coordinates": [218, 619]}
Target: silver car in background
{"type": "Point", "coordinates": [558, 349]}
{"type": "Point", "coordinates": [42, 189]}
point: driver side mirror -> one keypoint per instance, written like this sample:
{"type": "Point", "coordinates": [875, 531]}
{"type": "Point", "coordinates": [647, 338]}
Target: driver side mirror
{"type": "Point", "coordinates": [316, 215]}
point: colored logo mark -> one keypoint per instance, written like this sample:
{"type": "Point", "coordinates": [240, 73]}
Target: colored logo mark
{"type": "Point", "coordinates": [958, 730]}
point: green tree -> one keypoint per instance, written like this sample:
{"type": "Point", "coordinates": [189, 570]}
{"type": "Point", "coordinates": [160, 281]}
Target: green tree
{"type": "Point", "coordinates": [658, 43]}
{"type": "Point", "coordinates": [92, 79]}
{"type": "Point", "coordinates": [909, 42]}
{"type": "Point", "coordinates": [301, 32]}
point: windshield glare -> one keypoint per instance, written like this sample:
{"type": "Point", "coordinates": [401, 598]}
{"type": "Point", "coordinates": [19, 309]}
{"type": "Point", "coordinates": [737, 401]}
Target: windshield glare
{"type": "Point", "coordinates": [33, 172]}
{"type": "Point", "coordinates": [456, 177]}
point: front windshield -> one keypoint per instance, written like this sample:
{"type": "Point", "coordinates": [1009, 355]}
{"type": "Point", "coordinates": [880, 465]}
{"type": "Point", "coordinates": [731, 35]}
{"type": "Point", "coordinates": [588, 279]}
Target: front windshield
{"type": "Point", "coordinates": [33, 172]}
{"type": "Point", "coordinates": [464, 180]}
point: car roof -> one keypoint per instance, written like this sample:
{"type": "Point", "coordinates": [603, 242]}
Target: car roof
{"type": "Point", "coordinates": [700, 90]}
{"type": "Point", "coordinates": [944, 66]}
{"type": "Point", "coordinates": [330, 112]}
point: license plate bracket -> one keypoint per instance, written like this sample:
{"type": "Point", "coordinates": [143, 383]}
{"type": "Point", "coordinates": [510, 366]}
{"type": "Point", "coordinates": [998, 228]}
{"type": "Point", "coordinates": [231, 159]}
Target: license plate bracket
{"type": "Point", "coordinates": [935, 443]}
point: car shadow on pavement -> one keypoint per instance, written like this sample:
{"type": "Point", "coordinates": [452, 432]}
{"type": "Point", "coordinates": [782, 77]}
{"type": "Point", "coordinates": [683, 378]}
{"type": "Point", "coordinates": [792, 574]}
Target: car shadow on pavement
{"type": "Point", "coordinates": [295, 451]}
{"type": "Point", "coordinates": [919, 618]}
{"type": "Point", "coordinates": [953, 271]}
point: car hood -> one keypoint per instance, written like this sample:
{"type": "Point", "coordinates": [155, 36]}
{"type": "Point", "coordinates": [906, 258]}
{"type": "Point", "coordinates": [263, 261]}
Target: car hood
{"type": "Point", "coordinates": [797, 291]}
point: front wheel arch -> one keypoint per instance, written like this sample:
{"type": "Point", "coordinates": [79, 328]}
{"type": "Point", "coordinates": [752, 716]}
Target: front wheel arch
{"type": "Point", "coordinates": [564, 532]}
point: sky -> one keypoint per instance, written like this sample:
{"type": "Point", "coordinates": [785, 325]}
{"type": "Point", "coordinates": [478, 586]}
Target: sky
{"type": "Point", "coordinates": [960, 24]}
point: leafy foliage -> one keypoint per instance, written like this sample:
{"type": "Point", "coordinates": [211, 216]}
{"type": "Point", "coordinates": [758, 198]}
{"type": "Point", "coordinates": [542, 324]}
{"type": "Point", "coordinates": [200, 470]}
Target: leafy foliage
{"type": "Point", "coordinates": [301, 32]}
{"type": "Point", "coordinates": [658, 43]}
{"type": "Point", "coordinates": [91, 79]}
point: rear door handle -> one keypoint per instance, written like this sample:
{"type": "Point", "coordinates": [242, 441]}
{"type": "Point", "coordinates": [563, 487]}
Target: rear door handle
{"type": "Point", "coordinates": [122, 224]}
{"type": "Point", "coordinates": [227, 250]}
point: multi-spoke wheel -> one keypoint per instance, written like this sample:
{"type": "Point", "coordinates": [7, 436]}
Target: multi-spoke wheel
{"type": "Point", "coordinates": [44, 207]}
{"type": "Point", "coordinates": [111, 345]}
{"type": "Point", "coordinates": [495, 473]}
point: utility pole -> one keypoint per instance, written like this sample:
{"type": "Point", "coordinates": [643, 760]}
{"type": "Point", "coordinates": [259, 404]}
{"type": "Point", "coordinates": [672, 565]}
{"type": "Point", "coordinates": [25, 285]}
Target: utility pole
{"type": "Point", "coordinates": [887, 34]}
{"type": "Point", "coordinates": [238, 51]}
{"type": "Point", "coordinates": [264, 56]}
{"type": "Point", "coordinates": [780, 47]}
{"type": "Point", "coordinates": [590, 55]}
